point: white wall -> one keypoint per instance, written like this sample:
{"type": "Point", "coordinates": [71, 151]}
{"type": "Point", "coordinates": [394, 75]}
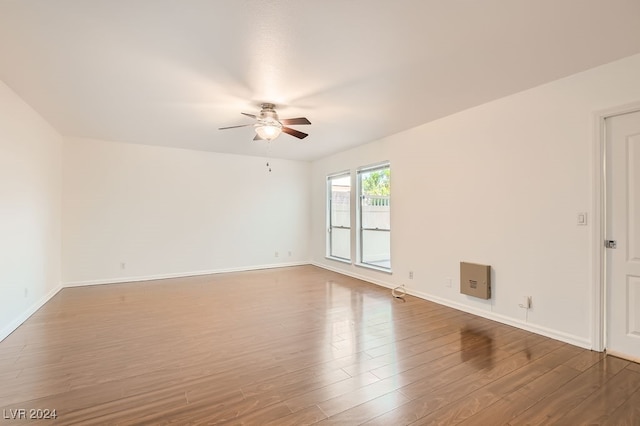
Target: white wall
{"type": "Point", "coordinates": [499, 184]}
{"type": "Point", "coordinates": [30, 188]}
{"type": "Point", "coordinates": [170, 212]}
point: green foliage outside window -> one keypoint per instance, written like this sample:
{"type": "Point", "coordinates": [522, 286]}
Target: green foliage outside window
{"type": "Point", "coordinates": [377, 183]}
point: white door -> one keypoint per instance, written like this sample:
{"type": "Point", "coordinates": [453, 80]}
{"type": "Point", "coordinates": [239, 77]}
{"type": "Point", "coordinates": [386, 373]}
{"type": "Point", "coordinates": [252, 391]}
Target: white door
{"type": "Point", "coordinates": [623, 227]}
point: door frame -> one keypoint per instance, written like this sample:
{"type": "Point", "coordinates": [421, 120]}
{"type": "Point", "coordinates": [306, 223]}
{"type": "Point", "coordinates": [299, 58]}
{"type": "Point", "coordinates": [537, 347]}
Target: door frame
{"type": "Point", "coordinates": [598, 223]}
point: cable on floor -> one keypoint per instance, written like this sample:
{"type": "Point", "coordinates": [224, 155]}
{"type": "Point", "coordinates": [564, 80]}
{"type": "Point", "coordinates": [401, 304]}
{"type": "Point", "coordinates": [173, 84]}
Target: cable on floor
{"type": "Point", "coordinates": [399, 292]}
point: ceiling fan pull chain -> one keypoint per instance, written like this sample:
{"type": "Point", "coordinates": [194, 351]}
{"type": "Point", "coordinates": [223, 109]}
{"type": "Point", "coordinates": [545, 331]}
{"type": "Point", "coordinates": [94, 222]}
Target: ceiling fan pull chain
{"type": "Point", "coordinates": [268, 155]}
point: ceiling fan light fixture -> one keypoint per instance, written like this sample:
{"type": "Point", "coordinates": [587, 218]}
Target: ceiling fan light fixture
{"type": "Point", "coordinates": [268, 131]}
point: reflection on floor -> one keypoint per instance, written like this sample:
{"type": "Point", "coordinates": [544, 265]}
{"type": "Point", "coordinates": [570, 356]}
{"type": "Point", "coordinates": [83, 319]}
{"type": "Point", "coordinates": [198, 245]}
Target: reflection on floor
{"type": "Point", "coordinates": [296, 346]}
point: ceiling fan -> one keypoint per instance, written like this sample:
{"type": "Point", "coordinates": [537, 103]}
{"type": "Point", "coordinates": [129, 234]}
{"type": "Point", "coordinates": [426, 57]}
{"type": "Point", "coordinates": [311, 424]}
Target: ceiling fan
{"type": "Point", "coordinates": [268, 126]}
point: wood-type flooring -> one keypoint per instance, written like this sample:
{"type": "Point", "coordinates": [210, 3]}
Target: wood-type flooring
{"type": "Point", "coordinates": [292, 346]}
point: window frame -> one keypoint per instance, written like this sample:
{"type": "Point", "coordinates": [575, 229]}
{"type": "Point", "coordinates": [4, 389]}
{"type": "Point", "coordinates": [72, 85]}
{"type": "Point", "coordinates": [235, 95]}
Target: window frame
{"type": "Point", "coordinates": [359, 228]}
{"type": "Point", "coordinates": [329, 224]}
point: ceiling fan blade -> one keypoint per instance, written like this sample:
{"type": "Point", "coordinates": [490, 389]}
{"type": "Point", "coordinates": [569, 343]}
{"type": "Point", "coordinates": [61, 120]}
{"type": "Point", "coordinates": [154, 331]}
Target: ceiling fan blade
{"type": "Point", "coordinates": [294, 132]}
{"type": "Point", "coordinates": [234, 127]}
{"type": "Point", "coordinates": [249, 115]}
{"type": "Point", "coordinates": [257, 138]}
{"type": "Point", "coordinates": [290, 121]}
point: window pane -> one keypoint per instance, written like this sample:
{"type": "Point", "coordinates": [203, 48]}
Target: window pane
{"type": "Point", "coordinates": [376, 181]}
{"type": "Point", "coordinates": [374, 205]}
{"type": "Point", "coordinates": [376, 248]}
{"type": "Point", "coordinates": [341, 243]}
{"type": "Point", "coordinates": [341, 201]}
{"type": "Point", "coordinates": [339, 198]}
{"type": "Point", "coordinates": [376, 212]}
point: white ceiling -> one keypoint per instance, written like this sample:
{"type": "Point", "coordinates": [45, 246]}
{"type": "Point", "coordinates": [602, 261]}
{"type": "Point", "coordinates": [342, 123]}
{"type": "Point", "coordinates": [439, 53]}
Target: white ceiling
{"type": "Point", "coordinates": [170, 72]}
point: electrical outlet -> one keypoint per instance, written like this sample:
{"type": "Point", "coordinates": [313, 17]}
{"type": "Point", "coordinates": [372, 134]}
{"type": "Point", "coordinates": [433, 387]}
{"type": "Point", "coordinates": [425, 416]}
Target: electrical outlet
{"type": "Point", "coordinates": [289, 253]}
{"type": "Point", "coordinates": [410, 275]}
{"type": "Point", "coordinates": [123, 265]}
{"type": "Point", "coordinates": [26, 292]}
{"type": "Point", "coordinates": [447, 282]}
{"type": "Point", "coordinates": [276, 254]}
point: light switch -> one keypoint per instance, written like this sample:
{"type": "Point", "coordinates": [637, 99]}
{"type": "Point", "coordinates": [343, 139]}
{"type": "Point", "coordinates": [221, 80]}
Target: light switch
{"type": "Point", "coordinates": [582, 219]}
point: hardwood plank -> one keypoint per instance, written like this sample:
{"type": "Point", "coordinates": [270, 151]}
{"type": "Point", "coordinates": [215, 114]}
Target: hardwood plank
{"type": "Point", "coordinates": [268, 414]}
{"type": "Point", "coordinates": [433, 393]}
{"type": "Point", "coordinates": [564, 398]}
{"type": "Point", "coordinates": [633, 366]}
{"type": "Point", "coordinates": [459, 410]}
{"type": "Point", "coordinates": [452, 369]}
{"type": "Point", "coordinates": [304, 400]}
{"type": "Point", "coordinates": [605, 400]}
{"type": "Point", "coordinates": [367, 410]}
{"type": "Point", "coordinates": [584, 360]}
{"type": "Point", "coordinates": [351, 399]}
{"type": "Point", "coordinates": [510, 406]}
{"type": "Point", "coordinates": [628, 413]}
{"type": "Point", "coordinates": [308, 416]}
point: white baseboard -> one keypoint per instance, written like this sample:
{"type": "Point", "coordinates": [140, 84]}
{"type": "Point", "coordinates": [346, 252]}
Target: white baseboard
{"type": "Point", "coordinates": [20, 319]}
{"type": "Point", "coordinates": [356, 275]}
{"type": "Point", "coordinates": [179, 274]}
{"type": "Point", "coordinates": [547, 332]}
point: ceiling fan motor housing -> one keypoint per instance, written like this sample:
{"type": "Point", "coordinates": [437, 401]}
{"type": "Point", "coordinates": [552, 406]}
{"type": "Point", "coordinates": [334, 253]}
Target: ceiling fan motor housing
{"type": "Point", "coordinates": [268, 115]}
